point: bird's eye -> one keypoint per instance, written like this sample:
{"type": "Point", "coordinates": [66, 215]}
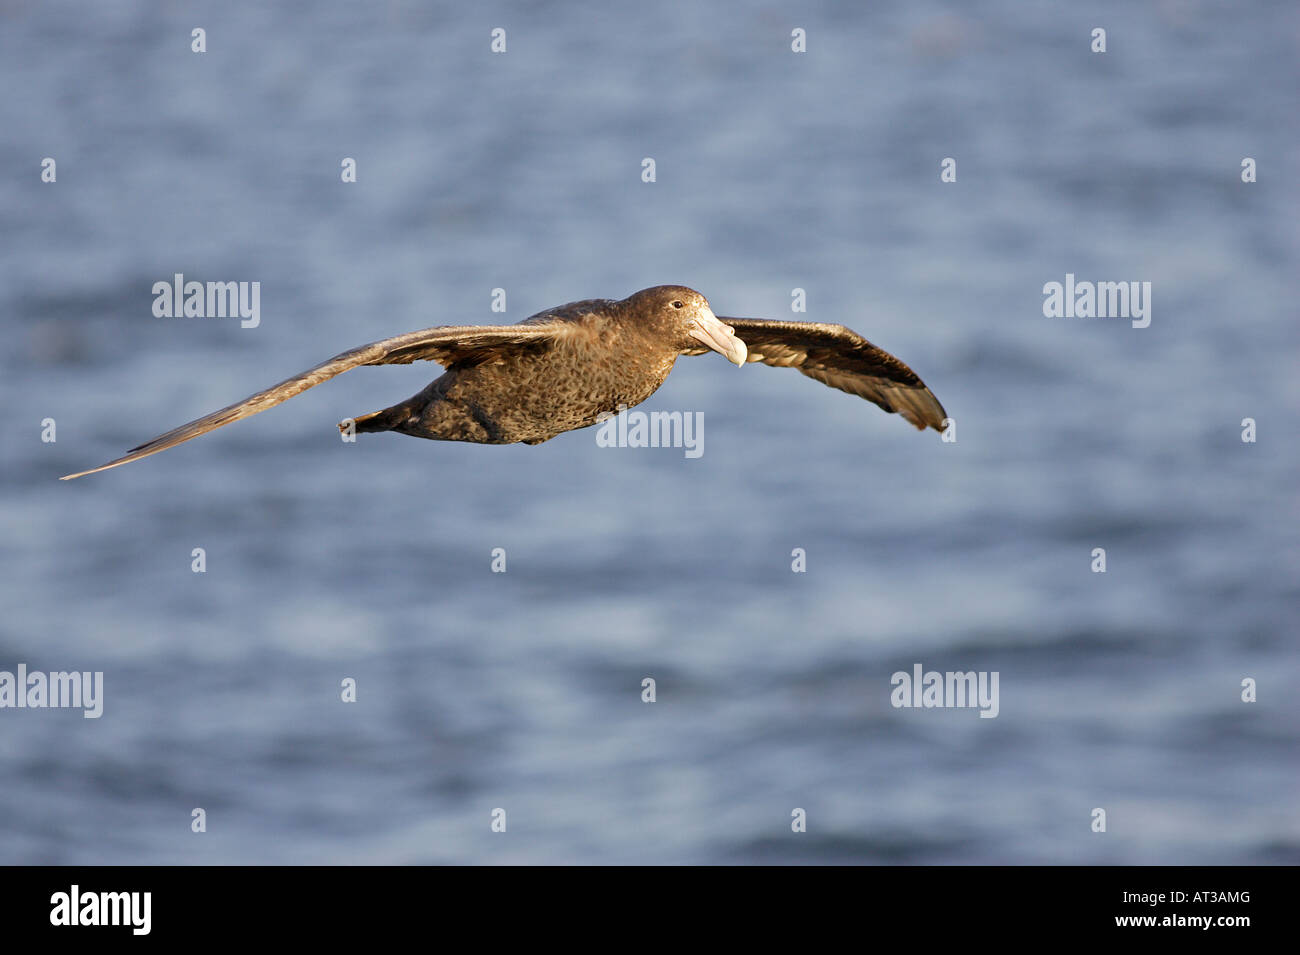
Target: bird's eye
{"type": "Point", "coordinates": [677, 305]}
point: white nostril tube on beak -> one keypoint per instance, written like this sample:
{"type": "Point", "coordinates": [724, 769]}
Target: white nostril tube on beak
{"type": "Point", "coordinates": [719, 337]}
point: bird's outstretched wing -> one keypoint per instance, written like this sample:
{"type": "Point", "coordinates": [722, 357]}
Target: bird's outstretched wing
{"type": "Point", "coordinates": [448, 345]}
{"type": "Point", "coordinates": [840, 357]}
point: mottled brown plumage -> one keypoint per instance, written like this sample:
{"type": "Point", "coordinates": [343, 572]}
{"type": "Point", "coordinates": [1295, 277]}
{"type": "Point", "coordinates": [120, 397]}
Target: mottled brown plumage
{"type": "Point", "coordinates": [562, 368]}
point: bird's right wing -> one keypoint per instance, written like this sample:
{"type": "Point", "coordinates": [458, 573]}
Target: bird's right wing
{"type": "Point", "coordinates": [447, 344]}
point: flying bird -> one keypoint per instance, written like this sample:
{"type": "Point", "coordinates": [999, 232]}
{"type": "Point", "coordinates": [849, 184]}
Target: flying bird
{"type": "Point", "coordinates": [565, 367]}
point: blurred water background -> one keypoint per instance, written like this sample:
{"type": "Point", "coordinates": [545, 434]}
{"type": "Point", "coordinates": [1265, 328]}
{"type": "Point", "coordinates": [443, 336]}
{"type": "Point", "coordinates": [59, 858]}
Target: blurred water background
{"type": "Point", "coordinates": [522, 690]}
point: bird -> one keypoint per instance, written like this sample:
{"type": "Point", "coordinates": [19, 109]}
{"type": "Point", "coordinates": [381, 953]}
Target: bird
{"type": "Point", "coordinates": [572, 366]}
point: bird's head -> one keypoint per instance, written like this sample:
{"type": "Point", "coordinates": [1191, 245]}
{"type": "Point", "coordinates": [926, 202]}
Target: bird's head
{"type": "Point", "coordinates": [687, 314]}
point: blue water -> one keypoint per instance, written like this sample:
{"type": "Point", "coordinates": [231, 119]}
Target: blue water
{"type": "Point", "coordinates": [522, 690]}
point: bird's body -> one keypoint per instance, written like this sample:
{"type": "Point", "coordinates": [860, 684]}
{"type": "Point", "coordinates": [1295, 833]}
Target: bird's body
{"type": "Point", "coordinates": [593, 364]}
{"type": "Point", "coordinates": [563, 368]}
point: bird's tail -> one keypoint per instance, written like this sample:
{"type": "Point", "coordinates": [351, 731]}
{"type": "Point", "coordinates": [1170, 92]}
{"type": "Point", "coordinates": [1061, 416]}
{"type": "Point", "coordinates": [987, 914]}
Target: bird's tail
{"type": "Point", "coordinates": [386, 420]}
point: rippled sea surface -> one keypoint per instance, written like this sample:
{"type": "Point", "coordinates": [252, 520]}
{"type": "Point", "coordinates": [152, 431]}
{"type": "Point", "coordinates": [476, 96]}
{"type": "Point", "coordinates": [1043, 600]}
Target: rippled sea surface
{"type": "Point", "coordinates": [522, 690]}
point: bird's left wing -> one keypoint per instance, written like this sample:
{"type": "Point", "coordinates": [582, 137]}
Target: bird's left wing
{"type": "Point", "coordinates": [840, 357]}
{"type": "Point", "coordinates": [445, 344]}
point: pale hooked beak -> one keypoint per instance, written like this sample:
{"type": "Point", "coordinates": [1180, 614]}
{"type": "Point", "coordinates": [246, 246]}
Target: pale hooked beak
{"type": "Point", "coordinates": [721, 338]}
